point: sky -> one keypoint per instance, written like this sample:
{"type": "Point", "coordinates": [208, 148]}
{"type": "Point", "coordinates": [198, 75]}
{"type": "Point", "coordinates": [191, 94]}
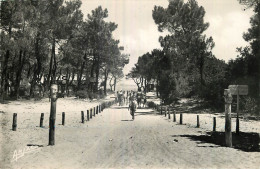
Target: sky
{"type": "Point", "coordinates": [138, 33]}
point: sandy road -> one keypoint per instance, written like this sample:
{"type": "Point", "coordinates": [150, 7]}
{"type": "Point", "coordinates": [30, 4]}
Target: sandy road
{"type": "Point", "coordinates": [113, 140]}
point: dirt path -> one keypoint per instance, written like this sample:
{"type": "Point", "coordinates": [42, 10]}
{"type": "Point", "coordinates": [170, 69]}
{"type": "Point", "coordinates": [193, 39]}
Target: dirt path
{"type": "Point", "coordinates": [113, 140]}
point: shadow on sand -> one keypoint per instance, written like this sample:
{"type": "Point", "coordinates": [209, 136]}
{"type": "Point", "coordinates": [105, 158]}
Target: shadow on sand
{"type": "Point", "coordinates": [248, 142]}
{"type": "Point", "coordinates": [127, 120]}
{"type": "Point", "coordinates": [146, 113]}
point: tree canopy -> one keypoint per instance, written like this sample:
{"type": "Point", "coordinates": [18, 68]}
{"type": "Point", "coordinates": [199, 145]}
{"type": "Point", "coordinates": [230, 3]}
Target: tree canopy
{"type": "Point", "coordinates": [46, 42]}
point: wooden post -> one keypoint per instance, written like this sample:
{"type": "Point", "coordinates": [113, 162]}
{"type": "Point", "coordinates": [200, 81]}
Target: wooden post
{"type": "Point", "coordinates": [87, 115]}
{"type": "Point", "coordinates": [169, 115]}
{"type": "Point", "coordinates": [91, 113]}
{"type": "Point", "coordinates": [165, 111]}
{"type": "Point", "coordinates": [237, 126]}
{"type": "Point", "coordinates": [82, 116]}
{"type": "Point", "coordinates": [94, 111]}
{"type": "Point", "coordinates": [97, 109]}
{"type": "Point", "coordinates": [198, 121]}
{"type": "Point", "coordinates": [181, 118]}
{"type": "Point", "coordinates": [228, 133]}
{"type": "Point", "coordinates": [174, 116]}
{"type": "Point", "coordinates": [63, 118]}
{"type": "Point", "coordinates": [54, 90]}
{"type": "Point", "coordinates": [161, 109]}
{"type": "Point", "coordinates": [214, 123]}
{"type": "Point", "coordinates": [237, 121]}
{"type": "Point", "coordinates": [14, 126]}
{"type": "Point", "coordinates": [41, 119]}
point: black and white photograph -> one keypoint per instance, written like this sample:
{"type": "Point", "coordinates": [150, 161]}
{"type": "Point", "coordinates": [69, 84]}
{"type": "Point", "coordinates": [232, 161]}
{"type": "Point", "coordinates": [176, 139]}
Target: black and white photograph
{"type": "Point", "coordinates": [129, 84]}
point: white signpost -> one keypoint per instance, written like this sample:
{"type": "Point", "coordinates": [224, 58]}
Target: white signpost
{"type": "Point", "coordinates": [238, 90]}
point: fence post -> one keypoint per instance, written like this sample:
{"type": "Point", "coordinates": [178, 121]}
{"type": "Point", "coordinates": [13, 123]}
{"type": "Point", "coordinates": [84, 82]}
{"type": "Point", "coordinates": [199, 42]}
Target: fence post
{"type": "Point", "coordinates": [181, 118]}
{"type": "Point", "coordinates": [14, 126]}
{"type": "Point", "coordinates": [91, 113]}
{"type": "Point", "coordinates": [63, 118]}
{"type": "Point", "coordinates": [87, 115]}
{"type": "Point", "coordinates": [228, 133]}
{"type": "Point", "coordinates": [82, 116]}
{"type": "Point", "coordinates": [169, 115]}
{"type": "Point", "coordinates": [161, 109]}
{"type": "Point", "coordinates": [237, 121]}
{"type": "Point", "coordinates": [174, 116]}
{"type": "Point", "coordinates": [97, 109]}
{"type": "Point", "coordinates": [214, 123]}
{"type": "Point", "coordinates": [94, 111]}
{"type": "Point", "coordinates": [165, 111]}
{"type": "Point", "coordinates": [41, 119]}
{"type": "Point", "coordinates": [198, 121]}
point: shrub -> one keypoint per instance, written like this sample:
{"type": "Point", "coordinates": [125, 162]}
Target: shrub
{"type": "Point", "coordinates": [60, 95]}
{"type": "Point", "coordinates": [92, 95]}
{"type": "Point", "coordinates": [151, 104]}
{"type": "Point", "coordinates": [248, 105]}
{"type": "Point", "coordinates": [82, 94]}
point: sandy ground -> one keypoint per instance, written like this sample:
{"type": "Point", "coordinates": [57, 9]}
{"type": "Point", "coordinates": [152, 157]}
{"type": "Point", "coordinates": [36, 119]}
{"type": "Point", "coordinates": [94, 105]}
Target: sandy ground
{"type": "Point", "coordinates": [113, 140]}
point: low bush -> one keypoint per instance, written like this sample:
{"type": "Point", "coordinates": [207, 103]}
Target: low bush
{"type": "Point", "coordinates": [82, 94]}
{"type": "Point", "coordinates": [248, 105]}
{"type": "Point", "coordinates": [151, 104]}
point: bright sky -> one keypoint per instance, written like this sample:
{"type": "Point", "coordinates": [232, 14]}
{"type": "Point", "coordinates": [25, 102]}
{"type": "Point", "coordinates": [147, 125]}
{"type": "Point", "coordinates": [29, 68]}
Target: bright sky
{"type": "Point", "coordinates": [138, 33]}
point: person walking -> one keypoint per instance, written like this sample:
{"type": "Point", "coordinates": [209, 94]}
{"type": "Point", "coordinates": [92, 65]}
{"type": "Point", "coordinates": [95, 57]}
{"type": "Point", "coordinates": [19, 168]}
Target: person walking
{"type": "Point", "coordinates": [139, 97]}
{"type": "Point", "coordinates": [132, 106]}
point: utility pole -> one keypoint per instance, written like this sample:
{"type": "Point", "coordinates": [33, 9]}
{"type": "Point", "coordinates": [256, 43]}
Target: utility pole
{"type": "Point", "coordinates": [54, 90]}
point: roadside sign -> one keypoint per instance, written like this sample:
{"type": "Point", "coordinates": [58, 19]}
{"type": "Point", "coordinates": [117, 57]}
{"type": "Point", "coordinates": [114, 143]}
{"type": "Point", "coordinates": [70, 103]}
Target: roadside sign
{"type": "Point", "coordinates": [238, 89]}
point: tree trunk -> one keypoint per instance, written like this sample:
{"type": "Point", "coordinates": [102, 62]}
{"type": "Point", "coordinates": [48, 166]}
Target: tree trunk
{"type": "Point", "coordinates": [67, 81]}
{"type": "Point", "coordinates": [19, 73]}
{"type": "Point", "coordinates": [50, 72]}
{"type": "Point", "coordinates": [97, 73]}
{"type": "Point", "coordinates": [258, 58]}
{"type": "Point", "coordinates": [92, 75]}
{"type": "Point", "coordinates": [4, 75]}
{"type": "Point", "coordinates": [145, 85]}
{"type": "Point", "coordinates": [258, 78]}
{"type": "Point", "coordinates": [38, 66]}
{"type": "Point", "coordinates": [33, 82]}
{"type": "Point", "coordinates": [202, 82]}
{"type": "Point", "coordinates": [54, 63]}
{"type": "Point", "coordinates": [105, 82]}
{"type": "Point", "coordinates": [115, 84]}
{"type": "Point", "coordinates": [80, 74]}
{"type": "Point", "coordinates": [72, 76]}
{"type": "Point", "coordinates": [110, 84]}
{"type": "Point", "coordinates": [157, 83]}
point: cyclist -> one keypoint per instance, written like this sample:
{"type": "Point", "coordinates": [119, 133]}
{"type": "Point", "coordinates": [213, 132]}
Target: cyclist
{"type": "Point", "coordinates": [132, 106]}
{"type": "Point", "coordinates": [139, 97]}
{"type": "Point", "coordinates": [120, 98]}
